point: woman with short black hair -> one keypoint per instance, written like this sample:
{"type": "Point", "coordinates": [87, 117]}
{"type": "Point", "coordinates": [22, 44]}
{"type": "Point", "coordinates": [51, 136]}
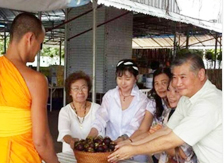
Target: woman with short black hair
{"type": "Point", "coordinates": [123, 107]}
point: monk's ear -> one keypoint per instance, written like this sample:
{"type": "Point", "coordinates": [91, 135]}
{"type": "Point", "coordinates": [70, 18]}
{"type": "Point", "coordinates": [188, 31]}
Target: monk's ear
{"type": "Point", "coordinates": [29, 38]}
{"type": "Point", "coordinates": [201, 74]}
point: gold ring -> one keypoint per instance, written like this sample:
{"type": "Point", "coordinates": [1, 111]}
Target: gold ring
{"type": "Point", "coordinates": [117, 156]}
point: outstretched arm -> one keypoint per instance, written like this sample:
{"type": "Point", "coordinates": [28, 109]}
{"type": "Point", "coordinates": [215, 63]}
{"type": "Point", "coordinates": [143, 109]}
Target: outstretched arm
{"type": "Point", "coordinates": [93, 132]}
{"type": "Point", "coordinates": [145, 137]}
{"type": "Point", "coordinates": [102, 117]}
{"type": "Point", "coordinates": [145, 125]}
{"type": "Point", "coordinates": [141, 140]}
{"type": "Point", "coordinates": [141, 133]}
{"type": "Point", "coordinates": [156, 145]}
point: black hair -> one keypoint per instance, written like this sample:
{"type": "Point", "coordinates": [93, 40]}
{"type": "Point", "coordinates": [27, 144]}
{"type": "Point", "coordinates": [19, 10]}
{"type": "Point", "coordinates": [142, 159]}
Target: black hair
{"type": "Point", "coordinates": [23, 23]}
{"type": "Point", "coordinates": [154, 95]}
{"type": "Point", "coordinates": [126, 65]}
{"type": "Point", "coordinates": [154, 65]}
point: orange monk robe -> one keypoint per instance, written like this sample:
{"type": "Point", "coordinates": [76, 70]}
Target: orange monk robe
{"type": "Point", "coordinates": [16, 143]}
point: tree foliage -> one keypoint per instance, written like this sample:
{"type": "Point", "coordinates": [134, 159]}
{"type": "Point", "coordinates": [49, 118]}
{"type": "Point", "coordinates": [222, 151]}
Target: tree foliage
{"type": "Point", "coordinates": [46, 51]}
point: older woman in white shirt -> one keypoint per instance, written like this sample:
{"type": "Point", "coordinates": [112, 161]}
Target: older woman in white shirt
{"type": "Point", "coordinates": [123, 107]}
{"type": "Point", "coordinates": [76, 117]}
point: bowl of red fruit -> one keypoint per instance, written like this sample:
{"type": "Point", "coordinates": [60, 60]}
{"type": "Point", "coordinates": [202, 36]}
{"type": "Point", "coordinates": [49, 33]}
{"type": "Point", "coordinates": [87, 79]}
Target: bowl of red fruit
{"type": "Point", "coordinates": [93, 150]}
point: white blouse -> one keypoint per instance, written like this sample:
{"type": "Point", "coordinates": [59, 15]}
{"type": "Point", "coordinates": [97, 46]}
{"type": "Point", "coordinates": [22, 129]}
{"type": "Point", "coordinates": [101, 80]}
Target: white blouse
{"type": "Point", "coordinates": [116, 121]}
{"type": "Point", "coordinates": [68, 124]}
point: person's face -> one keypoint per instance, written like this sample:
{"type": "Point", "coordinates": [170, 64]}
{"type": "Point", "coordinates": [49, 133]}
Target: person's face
{"type": "Point", "coordinates": [160, 84]}
{"type": "Point", "coordinates": [173, 96]}
{"type": "Point", "coordinates": [184, 80]}
{"type": "Point", "coordinates": [126, 81]}
{"type": "Point", "coordinates": [79, 91]}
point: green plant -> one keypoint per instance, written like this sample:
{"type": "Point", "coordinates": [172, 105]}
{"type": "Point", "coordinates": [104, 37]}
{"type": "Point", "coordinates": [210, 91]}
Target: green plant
{"type": "Point", "coordinates": [185, 51]}
{"type": "Point", "coordinates": [219, 56]}
{"type": "Point", "coordinates": [209, 55]}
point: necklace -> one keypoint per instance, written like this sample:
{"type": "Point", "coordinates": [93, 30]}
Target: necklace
{"type": "Point", "coordinates": [124, 96]}
{"type": "Point", "coordinates": [79, 120]}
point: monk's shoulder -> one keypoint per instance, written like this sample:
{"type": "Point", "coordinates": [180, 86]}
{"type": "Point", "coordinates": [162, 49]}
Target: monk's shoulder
{"type": "Point", "coordinates": [32, 75]}
{"type": "Point", "coordinates": [37, 77]}
{"type": "Point", "coordinates": [34, 79]}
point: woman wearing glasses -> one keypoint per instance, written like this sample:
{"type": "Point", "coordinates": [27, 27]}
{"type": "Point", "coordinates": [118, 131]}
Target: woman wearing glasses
{"type": "Point", "coordinates": [123, 107]}
{"type": "Point", "coordinates": [76, 117]}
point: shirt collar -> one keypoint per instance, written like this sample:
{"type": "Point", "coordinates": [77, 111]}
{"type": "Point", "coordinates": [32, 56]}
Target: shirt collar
{"type": "Point", "coordinates": [134, 92]}
{"type": "Point", "coordinates": [200, 92]}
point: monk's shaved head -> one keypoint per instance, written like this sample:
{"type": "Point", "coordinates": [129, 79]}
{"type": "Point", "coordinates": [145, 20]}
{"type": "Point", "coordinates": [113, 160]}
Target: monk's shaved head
{"type": "Point", "coordinates": [23, 23]}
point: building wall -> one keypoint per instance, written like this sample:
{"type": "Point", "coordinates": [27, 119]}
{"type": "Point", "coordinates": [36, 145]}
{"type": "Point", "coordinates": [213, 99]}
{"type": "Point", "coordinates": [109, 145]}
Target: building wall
{"type": "Point", "coordinates": [113, 40]}
{"type": "Point", "coordinates": [118, 43]}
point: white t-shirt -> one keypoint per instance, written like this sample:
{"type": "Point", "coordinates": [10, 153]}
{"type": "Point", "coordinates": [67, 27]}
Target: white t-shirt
{"type": "Point", "coordinates": [198, 122]}
{"type": "Point", "coordinates": [68, 124]}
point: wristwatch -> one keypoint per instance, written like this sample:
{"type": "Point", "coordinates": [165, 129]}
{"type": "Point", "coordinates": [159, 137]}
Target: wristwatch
{"type": "Point", "coordinates": [124, 136]}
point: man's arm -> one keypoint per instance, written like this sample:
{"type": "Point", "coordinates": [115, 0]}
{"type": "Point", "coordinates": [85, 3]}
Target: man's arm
{"type": "Point", "coordinates": [156, 145]}
{"type": "Point", "coordinates": [159, 144]}
{"type": "Point", "coordinates": [148, 137]}
{"type": "Point", "coordinates": [41, 134]}
{"type": "Point", "coordinates": [144, 138]}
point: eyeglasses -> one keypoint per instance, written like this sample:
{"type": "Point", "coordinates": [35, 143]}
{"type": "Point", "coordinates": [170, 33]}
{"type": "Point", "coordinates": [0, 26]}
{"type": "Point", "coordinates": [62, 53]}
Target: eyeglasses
{"type": "Point", "coordinates": [82, 89]}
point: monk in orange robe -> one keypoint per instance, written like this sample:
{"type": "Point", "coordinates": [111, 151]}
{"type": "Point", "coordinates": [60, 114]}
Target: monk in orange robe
{"type": "Point", "coordinates": [24, 131]}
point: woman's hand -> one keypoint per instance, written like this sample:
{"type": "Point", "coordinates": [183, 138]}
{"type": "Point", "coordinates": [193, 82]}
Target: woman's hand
{"type": "Point", "coordinates": [72, 142]}
{"type": "Point", "coordinates": [122, 153]}
{"type": "Point", "coordinates": [118, 140]}
{"type": "Point", "coordinates": [122, 143]}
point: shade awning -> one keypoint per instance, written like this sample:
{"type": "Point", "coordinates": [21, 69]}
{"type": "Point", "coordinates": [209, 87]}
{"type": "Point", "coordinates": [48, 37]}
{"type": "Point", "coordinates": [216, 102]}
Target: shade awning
{"type": "Point", "coordinates": [204, 13]}
{"type": "Point", "coordinates": [40, 5]}
{"type": "Point", "coordinates": [195, 42]}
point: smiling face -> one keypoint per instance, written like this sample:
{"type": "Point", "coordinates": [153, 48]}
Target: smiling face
{"type": "Point", "coordinates": [173, 96]}
{"type": "Point", "coordinates": [186, 81]}
{"type": "Point", "coordinates": [79, 91]}
{"type": "Point", "coordinates": [160, 84]}
{"type": "Point", "coordinates": [126, 82]}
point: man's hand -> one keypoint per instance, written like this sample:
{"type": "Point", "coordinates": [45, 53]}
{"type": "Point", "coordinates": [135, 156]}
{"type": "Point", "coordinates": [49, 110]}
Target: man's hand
{"type": "Point", "coordinates": [123, 153]}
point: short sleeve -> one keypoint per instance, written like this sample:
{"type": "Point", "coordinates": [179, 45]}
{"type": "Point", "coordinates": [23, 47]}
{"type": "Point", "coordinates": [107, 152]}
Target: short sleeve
{"type": "Point", "coordinates": [151, 106]}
